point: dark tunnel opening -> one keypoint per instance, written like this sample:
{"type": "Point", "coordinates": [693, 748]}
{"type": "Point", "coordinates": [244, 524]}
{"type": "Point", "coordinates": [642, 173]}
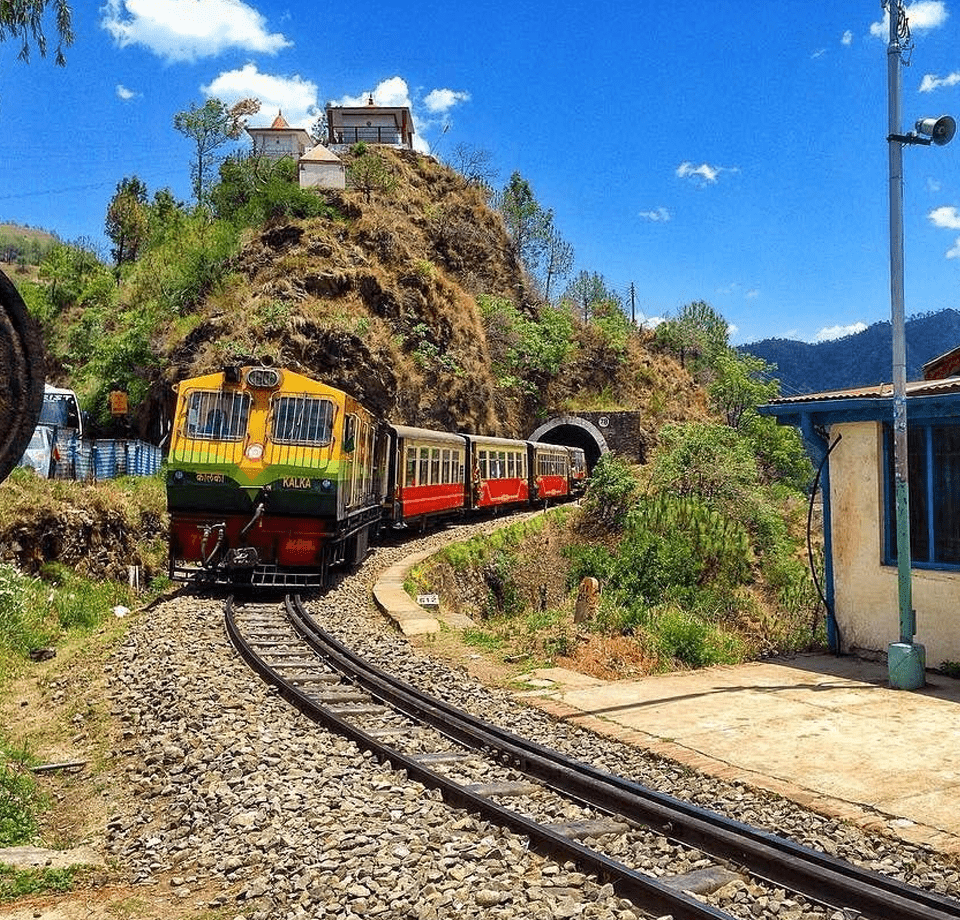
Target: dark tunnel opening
{"type": "Point", "coordinates": [574, 436]}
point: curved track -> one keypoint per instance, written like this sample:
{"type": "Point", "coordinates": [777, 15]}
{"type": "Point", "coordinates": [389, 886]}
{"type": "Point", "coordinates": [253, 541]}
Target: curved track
{"type": "Point", "coordinates": [332, 685]}
{"type": "Point", "coordinates": [21, 377]}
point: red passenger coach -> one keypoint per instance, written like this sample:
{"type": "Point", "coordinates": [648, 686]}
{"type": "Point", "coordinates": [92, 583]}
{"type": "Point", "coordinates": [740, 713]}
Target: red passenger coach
{"type": "Point", "coordinates": [578, 470]}
{"type": "Point", "coordinates": [551, 471]}
{"type": "Point", "coordinates": [499, 471]}
{"type": "Point", "coordinates": [429, 471]}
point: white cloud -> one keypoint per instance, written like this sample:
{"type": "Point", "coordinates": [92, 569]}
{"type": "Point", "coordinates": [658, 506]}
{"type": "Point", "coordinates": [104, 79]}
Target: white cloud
{"type": "Point", "coordinates": [438, 101]}
{"type": "Point", "coordinates": [954, 251]}
{"type": "Point", "coordinates": [184, 30]}
{"type": "Point", "coordinates": [847, 38]}
{"type": "Point", "coordinates": [922, 16]}
{"type": "Point", "coordinates": [930, 82]}
{"type": "Point", "coordinates": [946, 217]}
{"type": "Point", "coordinates": [390, 93]}
{"type": "Point", "coordinates": [838, 332]}
{"type": "Point", "coordinates": [820, 52]}
{"type": "Point", "coordinates": [294, 96]}
{"type": "Point", "coordinates": [752, 294]}
{"type": "Point", "coordinates": [650, 322]}
{"type": "Point", "coordinates": [704, 174]}
{"type": "Point", "coordinates": [660, 214]}
{"type": "Point", "coordinates": [124, 93]}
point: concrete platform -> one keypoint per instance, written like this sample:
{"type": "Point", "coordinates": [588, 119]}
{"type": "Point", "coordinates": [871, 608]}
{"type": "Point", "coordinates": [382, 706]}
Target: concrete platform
{"type": "Point", "coordinates": [826, 732]}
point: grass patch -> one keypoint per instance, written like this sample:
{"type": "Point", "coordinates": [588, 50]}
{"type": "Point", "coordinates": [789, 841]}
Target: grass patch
{"type": "Point", "coordinates": [484, 639]}
{"type": "Point", "coordinates": [18, 883]}
{"type": "Point", "coordinates": [20, 799]}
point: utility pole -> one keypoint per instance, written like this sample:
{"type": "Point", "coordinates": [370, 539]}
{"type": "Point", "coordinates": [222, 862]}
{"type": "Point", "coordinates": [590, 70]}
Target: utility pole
{"type": "Point", "coordinates": [906, 660]}
{"type": "Point", "coordinates": [633, 305]}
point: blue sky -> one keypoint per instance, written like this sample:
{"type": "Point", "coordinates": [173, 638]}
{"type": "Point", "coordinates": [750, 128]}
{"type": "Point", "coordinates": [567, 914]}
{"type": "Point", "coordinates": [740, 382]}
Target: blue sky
{"type": "Point", "coordinates": [722, 151]}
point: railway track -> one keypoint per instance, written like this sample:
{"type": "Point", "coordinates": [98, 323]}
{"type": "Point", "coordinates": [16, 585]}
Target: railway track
{"type": "Point", "coordinates": [477, 765]}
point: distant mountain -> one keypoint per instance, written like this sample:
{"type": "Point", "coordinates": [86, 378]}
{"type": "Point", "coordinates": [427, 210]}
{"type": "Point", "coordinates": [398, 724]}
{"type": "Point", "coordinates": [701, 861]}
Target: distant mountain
{"type": "Point", "coordinates": [858, 360]}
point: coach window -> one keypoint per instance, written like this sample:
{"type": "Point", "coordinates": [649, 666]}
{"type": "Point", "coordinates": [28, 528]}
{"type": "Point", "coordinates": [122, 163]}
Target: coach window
{"type": "Point", "coordinates": [482, 463]}
{"type": "Point", "coordinates": [424, 475]}
{"type": "Point", "coordinates": [458, 465]}
{"type": "Point", "coordinates": [446, 464]}
{"type": "Point", "coordinates": [435, 465]}
{"type": "Point", "coordinates": [410, 473]}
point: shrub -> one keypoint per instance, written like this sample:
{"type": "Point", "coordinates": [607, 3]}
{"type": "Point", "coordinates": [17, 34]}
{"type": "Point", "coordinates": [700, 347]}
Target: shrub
{"type": "Point", "coordinates": [611, 492]}
{"type": "Point", "coordinates": [686, 638]}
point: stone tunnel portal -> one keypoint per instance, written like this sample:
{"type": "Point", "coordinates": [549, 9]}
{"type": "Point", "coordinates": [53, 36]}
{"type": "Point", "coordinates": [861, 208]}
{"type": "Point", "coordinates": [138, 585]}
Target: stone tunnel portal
{"type": "Point", "coordinates": [573, 431]}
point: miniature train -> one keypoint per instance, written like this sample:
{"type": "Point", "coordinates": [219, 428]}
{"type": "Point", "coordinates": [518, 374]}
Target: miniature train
{"type": "Point", "coordinates": [274, 478]}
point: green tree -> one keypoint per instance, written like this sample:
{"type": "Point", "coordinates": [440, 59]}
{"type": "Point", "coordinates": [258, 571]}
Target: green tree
{"type": "Point", "coordinates": [66, 268]}
{"type": "Point", "coordinates": [741, 383]}
{"type": "Point", "coordinates": [558, 260]}
{"type": "Point", "coordinates": [210, 127]}
{"type": "Point", "coordinates": [697, 336]}
{"type": "Point", "coordinates": [586, 290]}
{"type": "Point", "coordinates": [368, 172]}
{"type": "Point", "coordinates": [528, 224]}
{"type": "Point", "coordinates": [23, 20]}
{"type": "Point", "coordinates": [128, 220]}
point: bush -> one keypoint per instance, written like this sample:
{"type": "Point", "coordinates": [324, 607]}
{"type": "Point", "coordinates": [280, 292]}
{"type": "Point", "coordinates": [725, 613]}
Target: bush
{"type": "Point", "coordinates": [258, 191]}
{"type": "Point", "coordinates": [686, 638]}
{"type": "Point", "coordinates": [611, 491]}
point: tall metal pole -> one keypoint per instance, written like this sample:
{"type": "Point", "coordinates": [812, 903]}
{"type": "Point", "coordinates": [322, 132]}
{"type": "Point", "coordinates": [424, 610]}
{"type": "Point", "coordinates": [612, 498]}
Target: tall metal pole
{"type": "Point", "coordinates": [894, 51]}
{"type": "Point", "coordinates": [906, 661]}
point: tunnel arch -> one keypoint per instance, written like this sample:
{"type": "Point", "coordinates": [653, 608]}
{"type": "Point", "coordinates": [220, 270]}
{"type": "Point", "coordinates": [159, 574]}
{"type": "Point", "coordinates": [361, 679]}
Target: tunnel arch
{"type": "Point", "coordinates": [574, 432]}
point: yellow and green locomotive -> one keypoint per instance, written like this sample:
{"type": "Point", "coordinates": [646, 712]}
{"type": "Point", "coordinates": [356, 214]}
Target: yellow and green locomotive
{"type": "Point", "coordinates": [272, 478]}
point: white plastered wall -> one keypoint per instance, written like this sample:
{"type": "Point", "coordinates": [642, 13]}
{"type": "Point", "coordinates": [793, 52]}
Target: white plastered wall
{"type": "Point", "coordinates": [866, 591]}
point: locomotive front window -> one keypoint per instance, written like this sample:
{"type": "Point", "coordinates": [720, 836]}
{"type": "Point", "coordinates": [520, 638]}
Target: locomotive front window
{"type": "Point", "coordinates": [216, 415]}
{"type": "Point", "coordinates": [302, 420]}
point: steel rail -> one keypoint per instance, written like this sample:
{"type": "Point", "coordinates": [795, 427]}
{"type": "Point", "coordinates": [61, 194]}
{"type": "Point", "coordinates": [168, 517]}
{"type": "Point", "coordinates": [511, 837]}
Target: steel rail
{"type": "Point", "coordinates": [818, 876]}
{"type": "Point", "coordinates": [646, 892]}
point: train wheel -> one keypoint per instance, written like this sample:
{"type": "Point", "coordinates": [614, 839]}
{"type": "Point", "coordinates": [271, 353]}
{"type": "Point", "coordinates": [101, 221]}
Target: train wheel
{"type": "Point", "coordinates": [21, 385]}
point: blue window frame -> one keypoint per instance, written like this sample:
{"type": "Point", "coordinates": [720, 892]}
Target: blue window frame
{"type": "Point", "coordinates": [933, 457]}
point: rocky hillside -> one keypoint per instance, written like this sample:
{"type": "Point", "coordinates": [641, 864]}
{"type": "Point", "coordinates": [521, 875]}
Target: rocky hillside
{"type": "Point", "coordinates": [382, 300]}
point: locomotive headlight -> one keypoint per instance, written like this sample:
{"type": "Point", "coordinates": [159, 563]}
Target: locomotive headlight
{"type": "Point", "coordinates": [178, 476]}
{"type": "Point", "coordinates": [254, 452]}
{"type": "Point", "coordinates": [326, 485]}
